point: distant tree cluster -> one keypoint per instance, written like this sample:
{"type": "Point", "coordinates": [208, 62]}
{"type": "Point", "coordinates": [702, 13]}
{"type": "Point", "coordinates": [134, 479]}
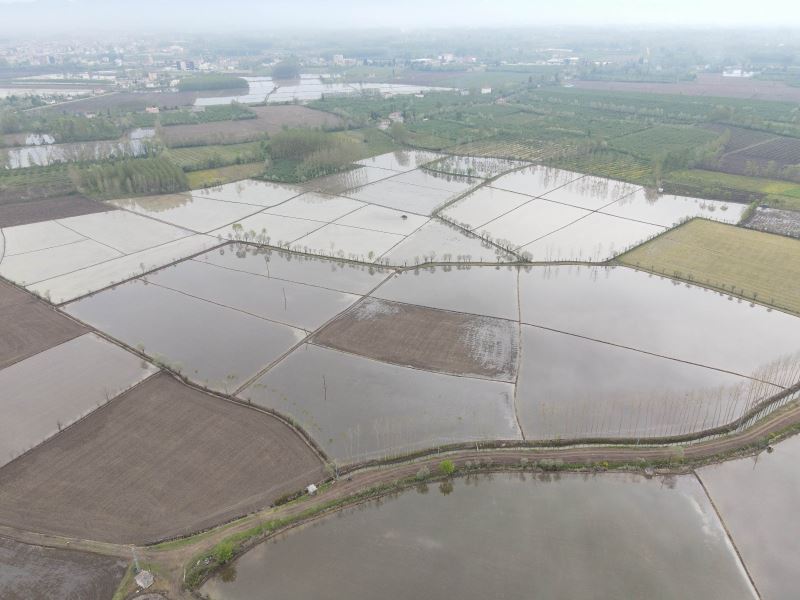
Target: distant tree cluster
{"type": "Point", "coordinates": [133, 176]}
{"type": "Point", "coordinates": [286, 69]}
{"type": "Point", "coordinates": [312, 153]}
{"type": "Point", "coordinates": [217, 81]}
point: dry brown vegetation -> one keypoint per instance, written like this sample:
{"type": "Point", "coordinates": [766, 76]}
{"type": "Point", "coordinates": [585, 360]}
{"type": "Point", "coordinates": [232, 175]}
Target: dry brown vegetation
{"type": "Point", "coordinates": [29, 326]}
{"type": "Point", "coordinates": [271, 119]}
{"type": "Point", "coordinates": [161, 460]}
{"type": "Point", "coordinates": [426, 338]}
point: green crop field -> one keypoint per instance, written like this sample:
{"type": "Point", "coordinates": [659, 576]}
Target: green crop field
{"type": "Point", "coordinates": [662, 139]}
{"type": "Point", "coordinates": [754, 265]}
{"type": "Point", "coordinates": [778, 194]}
{"type": "Point", "coordinates": [608, 163]}
{"type": "Point", "coordinates": [212, 177]}
{"type": "Point", "coordinates": [196, 158]}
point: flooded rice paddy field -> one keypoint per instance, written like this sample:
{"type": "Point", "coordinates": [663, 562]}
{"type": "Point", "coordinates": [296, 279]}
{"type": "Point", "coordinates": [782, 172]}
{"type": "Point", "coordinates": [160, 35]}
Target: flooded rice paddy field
{"type": "Point", "coordinates": [570, 387]}
{"type": "Point", "coordinates": [41, 395]}
{"type": "Point", "coordinates": [308, 87]}
{"type": "Point", "coordinates": [268, 229]}
{"type": "Point", "coordinates": [401, 160]}
{"type": "Point", "coordinates": [318, 207]}
{"type": "Point", "coordinates": [604, 352]}
{"type": "Point", "coordinates": [552, 215]}
{"type": "Point", "coordinates": [662, 316]}
{"type": "Point", "coordinates": [379, 218]}
{"type": "Point", "coordinates": [36, 572]}
{"type": "Point", "coordinates": [475, 166]}
{"type": "Point", "coordinates": [563, 536]}
{"type": "Point", "coordinates": [217, 346]}
{"type": "Point", "coordinates": [405, 197]}
{"type": "Point", "coordinates": [200, 214]}
{"type": "Point", "coordinates": [297, 304]}
{"type": "Point", "coordinates": [454, 288]}
{"type": "Point", "coordinates": [357, 408]}
{"type": "Point", "coordinates": [64, 258]}
{"type": "Point", "coordinates": [757, 497]}
{"type": "Point", "coordinates": [332, 274]}
{"type": "Point", "coordinates": [250, 191]}
{"type": "Point", "coordinates": [138, 470]}
{"type": "Point", "coordinates": [438, 241]}
{"type": "Point", "coordinates": [348, 180]}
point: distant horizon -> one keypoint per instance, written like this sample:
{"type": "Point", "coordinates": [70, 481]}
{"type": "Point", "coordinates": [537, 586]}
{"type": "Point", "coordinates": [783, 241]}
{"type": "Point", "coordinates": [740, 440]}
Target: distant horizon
{"type": "Point", "coordinates": [35, 17]}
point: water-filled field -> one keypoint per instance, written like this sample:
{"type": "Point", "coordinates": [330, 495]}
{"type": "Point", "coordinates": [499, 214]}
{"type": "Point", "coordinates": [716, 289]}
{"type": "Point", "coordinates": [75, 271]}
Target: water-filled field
{"type": "Point", "coordinates": [358, 408]}
{"type": "Point", "coordinates": [565, 536]}
{"type": "Point", "coordinates": [758, 497]}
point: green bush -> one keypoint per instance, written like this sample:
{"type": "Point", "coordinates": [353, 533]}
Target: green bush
{"type": "Point", "coordinates": [447, 467]}
{"type": "Point", "coordinates": [223, 552]}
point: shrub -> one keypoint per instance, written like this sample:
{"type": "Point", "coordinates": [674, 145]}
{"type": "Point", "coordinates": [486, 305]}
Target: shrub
{"type": "Point", "coordinates": [423, 473]}
{"type": "Point", "coordinates": [223, 552]}
{"type": "Point", "coordinates": [447, 467]}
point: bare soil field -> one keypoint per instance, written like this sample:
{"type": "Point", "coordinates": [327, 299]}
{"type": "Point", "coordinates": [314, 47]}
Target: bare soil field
{"type": "Point", "coordinates": [426, 338]}
{"type": "Point", "coordinates": [271, 119]}
{"type": "Point", "coordinates": [162, 460]}
{"type": "Point", "coordinates": [773, 220]}
{"type": "Point", "coordinates": [709, 84]}
{"type": "Point", "coordinates": [29, 326]}
{"type": "Point", "coordinates": [45, 209]}
{"type": "Point", "coordinates": [34, 572]}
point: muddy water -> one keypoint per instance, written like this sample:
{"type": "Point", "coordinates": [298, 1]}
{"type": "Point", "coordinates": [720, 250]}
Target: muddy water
{"type": "Point", "coordinates": [568, 536]}
{"type": "Point", "coordinates": [462, 289]}
{"type": "Point", "coordinates": [758, 499]}
{"type": "Point", "coordinates": [572, 387]}
{"type": "Point", "coordinates": [437, 241]}
{"type": "Point", "coordinates": [333, 274]}
{"type": "Point", "coordinates": [358, 408]}
{"type": "Point", "coordinates": [657, 314]}
{"type": "Point", "coordinates": [298, 305]}
{"type": "Point", "coordinates": [214, 346]}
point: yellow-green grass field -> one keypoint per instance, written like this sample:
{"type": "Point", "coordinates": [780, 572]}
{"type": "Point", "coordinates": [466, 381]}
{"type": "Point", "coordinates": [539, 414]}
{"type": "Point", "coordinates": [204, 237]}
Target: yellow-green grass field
{"type": "Point", "coordinates": [752, 264]}
{"type": "Point", "coordinates": [212, 177]}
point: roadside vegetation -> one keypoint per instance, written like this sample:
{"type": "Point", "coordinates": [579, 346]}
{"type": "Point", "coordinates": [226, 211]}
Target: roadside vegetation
{"type": "Point", "coordinates": [757, 266]}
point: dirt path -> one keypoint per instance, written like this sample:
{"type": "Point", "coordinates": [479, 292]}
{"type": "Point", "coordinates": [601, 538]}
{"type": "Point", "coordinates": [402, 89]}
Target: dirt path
{"type": "Point", "coordinates": [170, 560]}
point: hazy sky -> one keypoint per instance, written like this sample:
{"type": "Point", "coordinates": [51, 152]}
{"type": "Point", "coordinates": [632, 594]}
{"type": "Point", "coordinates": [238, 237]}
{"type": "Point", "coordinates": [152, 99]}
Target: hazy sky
{"type": "Point", "coordinates": [22, 16]}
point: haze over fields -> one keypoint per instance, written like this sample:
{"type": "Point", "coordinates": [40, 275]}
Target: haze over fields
{"type": "Point", "coordinates": [477, 299]}
{"type": "Point", "coordinates": [183, 15]}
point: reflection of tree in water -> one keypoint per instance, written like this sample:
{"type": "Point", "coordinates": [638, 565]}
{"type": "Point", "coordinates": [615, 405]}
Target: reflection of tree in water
{"type": "Point", "coordinates": [228, 573]}
{"type": "Point", "coordinates": [156, 203]}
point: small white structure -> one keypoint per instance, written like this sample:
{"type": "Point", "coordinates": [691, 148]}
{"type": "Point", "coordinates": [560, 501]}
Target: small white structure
{"type": "Point", "coordinates": [144, 579]}
{"type": "Point", "coordinates": [312, 489]}
{"type": "Point", "coordinates": [486, 90]}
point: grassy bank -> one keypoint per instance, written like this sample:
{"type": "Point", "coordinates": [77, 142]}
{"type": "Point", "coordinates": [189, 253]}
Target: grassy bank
{"type": "Point", "coordinates": [758, 266]}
